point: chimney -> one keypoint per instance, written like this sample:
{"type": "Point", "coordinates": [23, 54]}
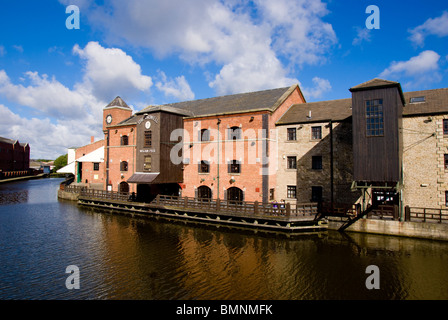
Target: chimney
{"type": "Point", "coordinates": [92, 139]}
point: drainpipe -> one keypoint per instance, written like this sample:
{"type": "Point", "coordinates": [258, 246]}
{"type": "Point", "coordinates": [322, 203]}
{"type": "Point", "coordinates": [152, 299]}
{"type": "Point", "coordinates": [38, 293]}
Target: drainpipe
{"type": "Point", "coordinates": [219, 121]}
{"type": "Point", "coordinates": [331, 165]}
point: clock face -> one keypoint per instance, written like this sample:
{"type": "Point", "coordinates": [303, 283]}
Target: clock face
{"type": "Point", "coordinates": [147, 125]}
{"type": "Point", "coordinates": [108, 119]}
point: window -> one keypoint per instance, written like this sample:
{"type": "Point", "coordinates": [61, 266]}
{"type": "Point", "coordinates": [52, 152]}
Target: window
{"type": "Point", "coordinates": [96, 166]}
{"type": "Point", "coordinates": [292, 163]}
{"type": "Point", "coordinates": [316, 194]}
{"type": "Point", "coordinates": [204, 135]}
{"type": "Point", "coordinates": [316, 133]}
{"type": "Point", "coordinates": [316, 163]}
{"type": "Point", "coordinates": [446, 161]}
{"type": "Point", "coordinates": [374, 117]}
{"type": "Point", "coordinates": [234, 166]}
{"type": "Point", "coordinates": [271, 194]}
{"type": "Point", "coordinates": [148, 139]}
{"type": "Point", "coordinates": [418, 99]}
{"type": "Point", "coordinates": [292, 134]}
{"type": "Point", "coordinates": [124, 140]}
{"type": "Point", "coordinates": [234, 133]}
{"type": "Point", "coordinates": [445, 126]}
{"type": "Point", "coordinates": [147, 164]}
{"type": "Point", "coordinates": [446, 198]}
{"type": "Point", "coordinates": [204, 192]}
{"type": "Point", "coordinates": [291, 192]}
{"type": "Point", "coordinates": [123, 166]}
{"type": "Point", "coordinates": [204, 167]}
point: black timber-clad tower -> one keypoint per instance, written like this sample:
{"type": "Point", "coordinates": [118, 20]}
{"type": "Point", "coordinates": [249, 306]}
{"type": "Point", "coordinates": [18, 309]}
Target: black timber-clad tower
{"type": "Point", "coordinates": [377, 108]}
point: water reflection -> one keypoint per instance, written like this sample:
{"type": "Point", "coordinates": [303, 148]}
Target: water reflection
{"type": "Point", "coordinates": [132, 258]}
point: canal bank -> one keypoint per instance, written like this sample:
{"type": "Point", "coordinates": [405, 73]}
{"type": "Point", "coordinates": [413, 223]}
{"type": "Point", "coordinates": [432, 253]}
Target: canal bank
{"type": "Point", "coordinates": [425, 230]}
{"type": "Point", "coordinates": [39, 176]}
{"type": "Point", "coordinates": [144, 259]}
{"type": "Point", "coordinates": [200, 212]}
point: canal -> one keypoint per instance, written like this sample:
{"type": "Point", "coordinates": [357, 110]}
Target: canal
{"type": "Point", "coordinates": [133, 258]}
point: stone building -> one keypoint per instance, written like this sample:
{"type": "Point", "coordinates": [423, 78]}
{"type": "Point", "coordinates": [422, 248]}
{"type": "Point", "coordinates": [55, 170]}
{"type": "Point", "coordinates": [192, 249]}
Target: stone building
{"type": "Point", "coordinates": [316, 155]}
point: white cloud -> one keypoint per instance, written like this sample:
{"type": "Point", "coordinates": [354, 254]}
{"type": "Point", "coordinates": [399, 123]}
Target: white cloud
{"type": "Point", "coordinates": [362, 34]}
{"type": "Point", "coordinates": [227, 34]}
{"type": "Point", "coordinates": [433, 26]}
{"type": "Point", "coordinates": [321, 86]}
{"type": "Point", "coordinates": [18, 48]}
{"type": "Point", "coordinates": [111, 70]}
{"type": "Point", "coordinates": [68, 116]}
{"type": "Point", "coordinates": [46, 95]}
{"type": "Point", "coordinates": [177, 88]}
{"type": "Point", "coordinates": [421, 69]}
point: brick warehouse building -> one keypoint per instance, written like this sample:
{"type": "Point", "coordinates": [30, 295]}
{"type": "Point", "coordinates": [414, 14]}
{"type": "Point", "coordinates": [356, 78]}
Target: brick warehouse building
{"type": "Point", "coordinates": [14, 156]}
{"type": "Point", "coordinates": [227, 145]}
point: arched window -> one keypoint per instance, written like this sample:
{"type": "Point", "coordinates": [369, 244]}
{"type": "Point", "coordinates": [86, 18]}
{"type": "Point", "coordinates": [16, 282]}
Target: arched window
{"type": "Point", "coordinates": [124, 187]}
{"type": "Point", "coordinates": [123, 166]}
{"type": "Point", "coordinates": [204, 135]}
{"type": "Point", "coordinates": [234, 133]}
{"type": "Point", "coordinates": [204, 192]}
{"type": "Point", "coordinates": [235, 194]}
{"type": "Point", "coordinates": [124, 140]}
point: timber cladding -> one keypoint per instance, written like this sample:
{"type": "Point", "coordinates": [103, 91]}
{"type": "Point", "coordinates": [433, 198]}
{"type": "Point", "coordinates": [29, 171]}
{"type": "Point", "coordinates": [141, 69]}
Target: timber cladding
{"type": "Point", "coordinates": [377, 153]}
{"type": "Point", "coordinates": [154, 146]}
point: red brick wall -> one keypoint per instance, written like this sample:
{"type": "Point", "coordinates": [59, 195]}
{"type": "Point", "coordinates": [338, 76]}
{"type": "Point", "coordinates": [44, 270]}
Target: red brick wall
{"type": "Point", "coordinates": [119, 153]}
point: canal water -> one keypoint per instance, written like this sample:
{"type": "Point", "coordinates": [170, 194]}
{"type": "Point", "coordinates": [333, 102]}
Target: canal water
{"type": "Point", "coordinates": [120, 257]}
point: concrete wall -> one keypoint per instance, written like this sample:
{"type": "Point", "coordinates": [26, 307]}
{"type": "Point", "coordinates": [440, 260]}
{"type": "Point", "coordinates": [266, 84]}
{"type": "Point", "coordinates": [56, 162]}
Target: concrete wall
{"type": "Point", "coordinates": [434, 231]}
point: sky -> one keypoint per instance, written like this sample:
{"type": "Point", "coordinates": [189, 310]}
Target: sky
{"type": "Point", "coordinates": [58, 72]}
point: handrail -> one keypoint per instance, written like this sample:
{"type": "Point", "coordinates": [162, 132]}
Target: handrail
{"type": "Point", "coordinates": [230, 207]}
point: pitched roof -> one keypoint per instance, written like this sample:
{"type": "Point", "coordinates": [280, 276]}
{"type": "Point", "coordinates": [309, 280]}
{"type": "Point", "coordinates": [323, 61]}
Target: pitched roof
{"type": "Point", "coordinates": [436, 101]}
{"type": "Point", "coordinates": [11, 141]}
{"type": "Point", "coordinates": [166, 108]}
{"type": "Point", "coordinates": [375, 83]}
{"type": "Point", "coordinates": [117, 102]}
{"type": "Point", "coordinates": [267, 100]}
{"type": "Point", "coordinates": [378, 84]}
{"type": "Point", "coordinates": [335, 110]}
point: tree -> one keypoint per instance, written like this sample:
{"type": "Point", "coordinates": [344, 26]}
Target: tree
{"type": "Point", "coordinates": [60, 162]}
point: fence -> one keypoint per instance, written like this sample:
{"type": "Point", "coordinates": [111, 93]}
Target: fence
{"type": "Point", "coordinates": [240, 207]}
{"type": "Point", "coordinates": [103, 194]}
{"type": "Point", "coordinates": [209, 205]}
{"type": "Point", "coordinates": [426, 215]}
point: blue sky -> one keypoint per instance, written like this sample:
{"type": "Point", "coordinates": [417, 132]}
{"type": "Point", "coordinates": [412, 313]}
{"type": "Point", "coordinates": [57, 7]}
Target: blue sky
{"type": "Point", "coordinates": [55, 81]}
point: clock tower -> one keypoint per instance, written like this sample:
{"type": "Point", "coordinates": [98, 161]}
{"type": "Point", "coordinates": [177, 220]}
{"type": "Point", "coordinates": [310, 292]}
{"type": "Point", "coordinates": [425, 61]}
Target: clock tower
{"type": "Point", "coordinates": [115, 112]}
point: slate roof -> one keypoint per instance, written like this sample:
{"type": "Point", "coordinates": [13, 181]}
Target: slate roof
{"type": "Point", "coordinates": [11, 141]}
{"type": "Point", "coordinates": [436, 102]}
{"type": "Point", "coordinates": [117, 102]}
{"type": "Point", "coordinates": [266, 100]}
{"type": "Point", "coordinates": [335, 110]}
{"type": "Point", "coordinates": [378, 84]}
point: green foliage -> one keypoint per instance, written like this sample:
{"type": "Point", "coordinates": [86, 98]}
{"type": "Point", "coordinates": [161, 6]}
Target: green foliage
{"type": "Point", "coordinates": [60, 162]}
